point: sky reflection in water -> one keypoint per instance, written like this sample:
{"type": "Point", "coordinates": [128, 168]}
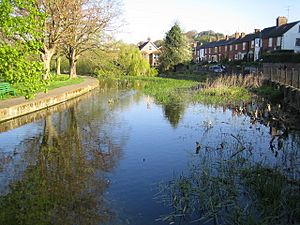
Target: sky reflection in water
{"type": "Point", "coordinates": [99, 160]}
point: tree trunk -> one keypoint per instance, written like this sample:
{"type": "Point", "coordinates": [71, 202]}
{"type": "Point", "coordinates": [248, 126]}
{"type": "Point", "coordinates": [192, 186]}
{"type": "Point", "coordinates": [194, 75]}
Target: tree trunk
{"type": "Point", "coordinates": [58, 63]}
{"type": "Point", "coordinates": [72, 62]}
{"type": "Point", "coordinates": [47, 56]}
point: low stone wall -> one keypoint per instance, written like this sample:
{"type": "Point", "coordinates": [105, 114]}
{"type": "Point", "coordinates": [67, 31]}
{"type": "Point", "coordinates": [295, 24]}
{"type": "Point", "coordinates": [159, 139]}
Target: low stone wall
{"type": "Point", "coordinates": [12, 108]}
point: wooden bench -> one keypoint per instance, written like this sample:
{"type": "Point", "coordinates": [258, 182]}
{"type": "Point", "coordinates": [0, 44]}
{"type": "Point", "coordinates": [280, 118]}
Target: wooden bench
{"type": "Point", "coordinates": [5, 88]}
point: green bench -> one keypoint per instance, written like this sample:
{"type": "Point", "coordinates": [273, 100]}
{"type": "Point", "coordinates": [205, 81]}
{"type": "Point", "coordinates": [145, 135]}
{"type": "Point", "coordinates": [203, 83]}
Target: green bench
{"type": "Point", "coordinates": [5, 88]}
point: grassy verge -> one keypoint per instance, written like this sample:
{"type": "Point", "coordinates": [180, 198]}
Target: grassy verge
{"type": "Point", "coordinates": [55, 81]}
{"type": "Point", "coordinates": [63, 80]}
{"type": "Point", "coordinates": [200, 77]}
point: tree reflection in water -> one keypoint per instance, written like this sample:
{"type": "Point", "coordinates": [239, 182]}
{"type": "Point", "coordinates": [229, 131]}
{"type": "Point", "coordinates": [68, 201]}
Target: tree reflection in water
{"type": "Point", "coordinates": [66, 182]}
{"type": "Point", "coordinates": [174, 112]}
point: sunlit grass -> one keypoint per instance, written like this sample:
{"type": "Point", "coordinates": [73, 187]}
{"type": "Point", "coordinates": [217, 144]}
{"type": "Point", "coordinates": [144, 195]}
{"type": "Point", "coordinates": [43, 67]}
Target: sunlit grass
{"type": "Point", "coordinates": [55, 81]}
{"type": "Point", "coordinates": [63, 80]}
{"type": "Point", "coordinates": [222, 95]}
{"type": "Point", "coordinates": [166, 90]}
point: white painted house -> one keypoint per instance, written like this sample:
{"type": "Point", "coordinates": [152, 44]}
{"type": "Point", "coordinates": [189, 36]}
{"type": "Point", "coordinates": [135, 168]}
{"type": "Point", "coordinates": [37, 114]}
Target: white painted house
{"type": "Point", "coordinates": [291, 39]}
{"type": "Point", "coordinates": [283, 36]}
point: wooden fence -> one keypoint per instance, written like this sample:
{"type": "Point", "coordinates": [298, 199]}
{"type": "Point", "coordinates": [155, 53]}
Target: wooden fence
{"type": "Point", "coordinates": [282, 75]}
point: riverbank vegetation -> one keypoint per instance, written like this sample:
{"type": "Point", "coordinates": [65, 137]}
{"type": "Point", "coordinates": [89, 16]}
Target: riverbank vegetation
{"type": "Point", "coordinates": [166, 90]}
{"type": "Point", "coordinates": [32, 32]}
{"type": "Point", "coordinates": [223, 186]}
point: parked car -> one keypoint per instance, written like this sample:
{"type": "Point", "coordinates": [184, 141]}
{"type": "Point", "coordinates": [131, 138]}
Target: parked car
{"type": "Point", "coordinates": [217, 69]}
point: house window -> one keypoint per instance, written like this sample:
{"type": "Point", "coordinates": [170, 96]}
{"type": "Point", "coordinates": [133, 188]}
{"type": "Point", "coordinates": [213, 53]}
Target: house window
{"type": "Point", "coordinates": [230, 47]}
{"type": "Point", "coordinates": [278, 41]}
{"type": "Point", "coordinates": [244, 45]}
{"type": "Point", "coordinates": [297, 42]}
{"type": "Point", "coordinates": [236, 47]}
{"type": "Point", "coordinates": [225, 48]}
{"type": "Point", "coordinates": [252, 44]}
{"type": "Point", "coordinates": [150, 47]}
{"type": "Point", "coordinates": [216, 49]}
{"type": "Point", "coordinates": [270, 42]}
{"type": "Point", "coordinates": [209, 50]}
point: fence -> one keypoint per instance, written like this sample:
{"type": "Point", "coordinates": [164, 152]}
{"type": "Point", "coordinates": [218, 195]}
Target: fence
{"type": "Point", "coordinates": [283, 75]}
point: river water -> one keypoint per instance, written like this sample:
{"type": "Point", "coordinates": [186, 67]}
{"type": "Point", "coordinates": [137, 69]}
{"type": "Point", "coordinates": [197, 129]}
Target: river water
{"type": "Point", "coordinates": [100, 159]}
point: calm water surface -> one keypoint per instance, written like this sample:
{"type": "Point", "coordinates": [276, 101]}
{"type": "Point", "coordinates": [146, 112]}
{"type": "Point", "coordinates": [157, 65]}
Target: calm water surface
{"type": "Point", "coordinates": [100, 158]}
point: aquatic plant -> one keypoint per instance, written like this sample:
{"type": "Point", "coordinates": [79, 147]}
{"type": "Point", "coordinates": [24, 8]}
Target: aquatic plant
{"type": "Point", "coordinates": [231, 190]}
{"type": "Point", "coordinates": [167, 90]}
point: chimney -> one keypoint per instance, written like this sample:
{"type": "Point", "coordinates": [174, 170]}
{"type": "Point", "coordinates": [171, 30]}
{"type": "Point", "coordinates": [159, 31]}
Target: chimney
{"type": "Point", "coordinates": [236, 35]}
{"type": "Point", "coordinates": [256, 31]}
{"type": "Point", "coordinates": [243, 34]}
{"type": "Point", "coordinates": [226, 37]}
{"type": "Point", "coordinates": [281, 20]}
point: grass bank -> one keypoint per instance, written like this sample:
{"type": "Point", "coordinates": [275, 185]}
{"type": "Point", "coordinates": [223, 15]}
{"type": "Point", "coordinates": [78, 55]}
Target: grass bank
{"type": "Point", "coordinates": [55, 81]}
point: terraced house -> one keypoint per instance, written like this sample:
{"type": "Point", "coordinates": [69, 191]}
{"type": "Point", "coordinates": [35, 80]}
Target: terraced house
{"type": "Point", "coordinates": [283, 36]}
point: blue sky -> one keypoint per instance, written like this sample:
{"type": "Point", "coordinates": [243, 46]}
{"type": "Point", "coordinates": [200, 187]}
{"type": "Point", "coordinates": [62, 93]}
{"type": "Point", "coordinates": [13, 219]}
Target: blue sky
{"type": "Point", "coordinates": [153, 18]}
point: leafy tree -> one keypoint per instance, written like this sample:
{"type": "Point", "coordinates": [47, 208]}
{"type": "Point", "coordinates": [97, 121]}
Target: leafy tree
{"type": "Point", "coordinates": [125, 60]}
{"type": "Point", "coordinates": [132, 62]}
{"type": "Point", "coordinates": [190, 35]}
{"type": "Point", "coordinates": [175, 49]}
{"type": "Point", "coordinates": [158, 43]}
{"type": "Point", "coordinates": [207, 36]}
{"type": "Point", "coordinates": [21, 30]}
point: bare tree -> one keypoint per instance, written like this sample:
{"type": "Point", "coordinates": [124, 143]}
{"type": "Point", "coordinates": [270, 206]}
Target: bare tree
{"type": "Point", "coordinates": [56, 27]}
{"type": "Point", "coordinates": [88, 22]}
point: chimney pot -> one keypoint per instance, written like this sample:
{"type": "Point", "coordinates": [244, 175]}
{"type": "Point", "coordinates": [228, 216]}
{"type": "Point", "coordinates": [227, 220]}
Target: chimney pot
{"type": "Point", "coordinates": [256, 30]}
{"type": "Point", "coordinates": [281, 20]}
{"type": "Point", "coordinates": [243, 34]}
{"type": "Point", "coordinates": [237, 35]}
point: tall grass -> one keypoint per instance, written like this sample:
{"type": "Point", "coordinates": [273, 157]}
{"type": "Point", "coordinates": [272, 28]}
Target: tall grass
{"type": "Point", "coordinates": [245, 81]}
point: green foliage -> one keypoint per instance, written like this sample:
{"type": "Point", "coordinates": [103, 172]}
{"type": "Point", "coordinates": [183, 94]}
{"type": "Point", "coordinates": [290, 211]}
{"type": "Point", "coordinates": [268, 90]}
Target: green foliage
{"type": "Point", "coordinates": [158, 43]}
{"type": "Point", "coordinates": [21, 29]}
{"type": "Point", "coordinates": [207, 36]}
{"type": "Point", "coordinates": [175, 49]}
{"type": "Point", "coordinates": [269, 92]}
{"type": "Point", "coordinates": [126, 60]}
{"type": "Point", "coordinates": [222, 95]}
{"type": "Point", "coordinates": [132, 62]}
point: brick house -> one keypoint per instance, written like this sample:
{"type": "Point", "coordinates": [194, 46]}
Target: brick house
{"type": "Point", "coordinates": [150, 52]}
{"type": "Point", "coordinates": [283, 36]}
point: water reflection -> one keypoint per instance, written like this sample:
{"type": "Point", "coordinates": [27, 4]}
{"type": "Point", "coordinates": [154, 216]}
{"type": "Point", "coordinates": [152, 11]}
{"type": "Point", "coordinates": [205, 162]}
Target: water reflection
{"type": "Point", "coordinates": [64, 179]}
{"type": "Point", "coordinates": [174, 112]}
{"type": "Point", "coordinates": [97, 161]}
